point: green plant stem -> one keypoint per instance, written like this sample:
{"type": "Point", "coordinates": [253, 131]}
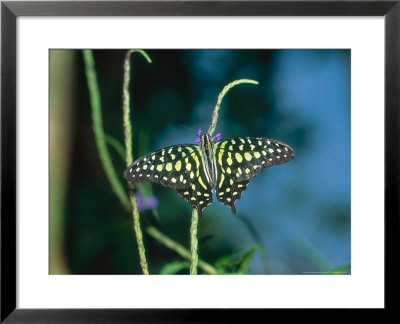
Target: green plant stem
{"type": "Point", "coordinates": [178, 248]}
{"type": "Point", "coordinates": [214, 120]}
{"type": "Point", "coordinates": [126, 103]}
{"type": "Point", "coordinates": [98, 129]}
{"type": "Point", "coordinates": [129, 156]}
{"type": "Point", "coordinates": [312, 253]}
{"type": "Point", "coordinates": [116, 145]}
{"type": "Point", "coordinates": [195, 216]}
{"type": "Point", "coordinates": [194, 260]}
{"type": "Point", "coordinates": [61, 102]}
{"type": "Point", "coordinates": [139, 235]}
{"type": "Point", "coordinates": [257, 239]}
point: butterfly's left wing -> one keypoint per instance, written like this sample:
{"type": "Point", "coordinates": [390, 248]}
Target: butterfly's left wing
{"type": "Point", "coordinates": [239, 159]}
{"type": "Point", "coordinates": [180, 167]}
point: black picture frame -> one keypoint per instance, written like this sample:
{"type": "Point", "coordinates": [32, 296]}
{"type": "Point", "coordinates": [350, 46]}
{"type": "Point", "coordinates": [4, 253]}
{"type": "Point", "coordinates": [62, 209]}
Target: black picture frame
{"type": "Point", "coordinates": [10, 10]}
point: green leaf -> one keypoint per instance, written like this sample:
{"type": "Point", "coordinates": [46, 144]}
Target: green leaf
{"type": "Point", "coordinates": [174, 267]}
{"type": "Point", "coordinates": [234, 264]}
{"type": "Point", "coordinates": [245, 260]}
{"type": "Point", "coordinates": [206, 238]}
{"type": "Point", "coordinates": [226, 260]}
{"type": "Point", "coordinates": [344, 269]}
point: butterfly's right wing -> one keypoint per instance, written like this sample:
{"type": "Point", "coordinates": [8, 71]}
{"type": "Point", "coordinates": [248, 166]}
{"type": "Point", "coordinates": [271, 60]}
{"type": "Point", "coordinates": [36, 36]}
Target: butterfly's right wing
{"type": "Point", "coordinates": [239, 159]}
{"type": "Point", "coordinates": [178, 167]}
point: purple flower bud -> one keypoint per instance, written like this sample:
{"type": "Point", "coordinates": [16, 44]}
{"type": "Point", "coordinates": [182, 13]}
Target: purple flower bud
{"type": "Point", "coordinates": [217, 137]}
{"type": "Point", "coordinates": [139, 201]}
{"type": "Point", "coordinates": [198, 135]}
{"type": "Point", "coordinates": [152, 202]}
{"type": "Point", "coordinates": [146, 203]}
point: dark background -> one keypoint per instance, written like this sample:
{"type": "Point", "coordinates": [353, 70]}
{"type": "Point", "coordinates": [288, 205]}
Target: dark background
{"type": "Point", "coordinates": [297, 214]}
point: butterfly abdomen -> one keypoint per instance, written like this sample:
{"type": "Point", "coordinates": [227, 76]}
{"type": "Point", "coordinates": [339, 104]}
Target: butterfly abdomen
{"type": "Point", "coordinates": [210, 168]}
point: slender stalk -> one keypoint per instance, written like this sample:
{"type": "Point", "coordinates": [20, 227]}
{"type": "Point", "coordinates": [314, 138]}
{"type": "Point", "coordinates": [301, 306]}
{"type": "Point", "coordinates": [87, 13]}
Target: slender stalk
{"type": "Point", "coordinates": [138, 232]}
{"type": "Point", "coordinates": [178, 248]}
{"type": "Point", "coordinates": [139, 235]}
{"type": "Point", "coordinates": [98, 129]}
{"type": "Point", "coordinates": [194, 260]}
{"type": "Point", "coordinates": [195, 216]}
{"type": "Point", "coordinates": [214, 120]}
{"type": "Point", "coordinates": [129, 156]}
{"type": "Point", "coordinates": [257, 239]}
{"type": "Point", "coordinates": [61, 85]}
{"type": "Point", "coordinates": [116, 145]}
{"type": "Point", "coordinates": [126, 103]}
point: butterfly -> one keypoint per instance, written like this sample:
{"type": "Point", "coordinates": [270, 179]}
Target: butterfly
{"type": "Point", "coordinates": [194, 170]}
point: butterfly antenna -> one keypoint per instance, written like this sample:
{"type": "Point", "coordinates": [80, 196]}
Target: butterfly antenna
{"type": "Point", "coordinates": [222, 117]}
{"type": "Point", "coordinates": [186, 127]}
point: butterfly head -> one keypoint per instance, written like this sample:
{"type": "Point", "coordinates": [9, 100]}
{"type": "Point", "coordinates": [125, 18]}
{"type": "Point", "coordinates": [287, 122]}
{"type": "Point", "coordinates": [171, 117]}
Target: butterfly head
{"type": "Point", "coordinates": [205, 141]}
{"type": "Point", "coordinates": [199, 136]}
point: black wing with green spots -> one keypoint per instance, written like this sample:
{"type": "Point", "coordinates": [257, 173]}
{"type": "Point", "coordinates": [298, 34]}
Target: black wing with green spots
{"type": "Point", "coordinates": [177, 167]}
{"type": "Point", "coordinates": [239, 159]}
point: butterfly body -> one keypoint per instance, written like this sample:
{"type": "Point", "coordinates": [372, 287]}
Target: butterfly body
{"type": "Point", "coordinates": [194, 170]}
{"type": "Point", "coordinates": [210, 166]}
